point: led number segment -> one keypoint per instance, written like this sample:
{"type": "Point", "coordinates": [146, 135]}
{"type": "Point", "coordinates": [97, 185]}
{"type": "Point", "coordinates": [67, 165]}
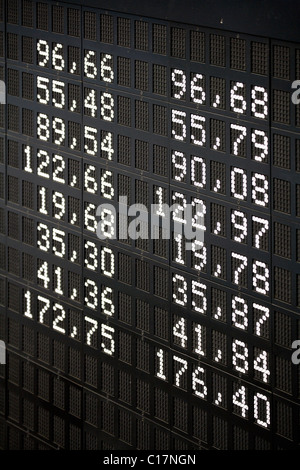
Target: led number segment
{"type": "Point", "coordinates": [237, 98]}
{"type": "Point", "coordinates": [58, 62]}
{"type": "Point", "coordinates": [198, 88]}
{"type": "Point", "coordinates": [178, 125]}
{"type": "Point", "coordinates": [197, 127]}
{"type": "Point", "coordinates": [261, 276]}
{"type": "Point", "coordinates": [90, 102]}
{"type": "Point", "coordinates": [90, 64]}
{"type": "Point", "coordinates": [107, 148]}
{"type": "Point", "coordinates": [179, 165]}
{"type": "Point", "coordinates": [106, 68]}
{"type": "Point", "coordinates": [90, 256]}
{"type": "Point", "coordinates": [259, 102]}
{"type": "Point", "coordinates": [260, 145]}
{"type": "Point", "coordinates": [91, 294]}
{"type": "Point", "coordinates": [107, 262]}
{"type": "Point", "coordinates": [178, 79]}
{"type": "Point", "coordinates": [90, 140]}
{"type": "Point", "coordinates": [59, 315]}
{"type": "Point", "coordinates": [179, 333]}
{"type": "Point", "coordinates": [107, 107]}
{"type": "Point", "coordinates": [239, 312]}
{"type": "Point", "coordinates": [43, 53]}
{"type": "Point", "coordinates": [179, 86]}
{"type": "Point", "coordinates": [58, 92]}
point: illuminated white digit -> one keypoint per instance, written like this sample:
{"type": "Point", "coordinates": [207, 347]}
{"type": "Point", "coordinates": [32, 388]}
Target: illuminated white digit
{"type": "Point", "coordinates": [59, 164]}
{"type": "Point", "coordinates": [260, 192]}
{"type": "Point", "coordinates": [45, 309]}
{"type": "Point", "coordinates": [42, 274]}
{"type": "Point", "coordinates": [239, 399]}
{"type": "Point", "coordinates": [28, 304]}
{"type": "Point", "coordinates": [92, 330]}
{"type": "Point", "coordinates": [199, 292]}
{"type": "Point", "coordinates": [90, 222]}
{"type": "Point", "coordinates": [28, 158]}
{"type": "Point", "coordinates": [239, 312]}
{"type": "Point", "coordinates": [59, 318]}
{"type": "Point", "coordinates": [237, 102]}
{"type": "Point", "coordinates": [179, 129]}
{"type": "Point", "coordinates": [197, 91]}
{"type": "Point", "coordinates": [259, 106]}
{"type": "Point", "coordinates": [91, 294]}
{"type": "Point", "coordinates": [59, 205]}
{"type": "Point", "coordinates": [90, 137]}
{"type": "Point", "coordinates": [58, 62]}
{"type": "Point", "coordinates": [262, 230]}
{"type": "Point", "coordinates": [90, 69]}
{"type": "Point", "coordinates": [43, 235]}
{"type": "Point", "coordinates": [90, 183]}
{"type": "Point", "coordinates": [182, 369]}
{"type": "Point", "coordinates": [261, 364]}
{"type": "Point", "coordinates": [235, 173]}
{"type": "Point", "coordinates": [59, 131]}
{"type": "Point", "coordinates": [179, 165]}
{"type": "Point", "coordinates": [58, 237]}
{"type": "Point", "coordinates": [107, 262]}
{"type": "Point", "coordinates": [242, 266]}
{"type": "Point", "coordinates": [198, 383]}
{"type": "Point", "coordinates": [179, 330]}
{"type": "Point", "coordinates": [195, 163]}
{"type": "Point", "coordinates": [160, 374]}
{"type": "Point", "coordinates": [43, 95]}
{"type": "Point", "coordinates": [199, 348]}
{"type": "Point", "coordinates": [107, 306]}
{"type": "Point", "coordinates": [43, 53]}
{"type": "Point", "coordinates": [58, 94]}
{"type": "Point", "coordinates": [107, 106]}
{"type": "Point", "coordinates": [258, 278]}
{"type": "Point", "coordinates": [239, 221]}
{"type": "Point", "coordinates": [240, 356]}
{"type": "Point", "coordinates": [265, 314]}
{"type": "Point", "coordinates": [91, 256]}
{"type": "Point", "coordinates": [198, 132]}
{"type": "Point", "coordinates": [43, 200]}
{"type": "Point", "coordinates": [262, 147]}
{"type": "Point", "coordinates": [90, 102]}
{"type": "Point", "coordinates": [267, 418]}
{"type": "Point", "coordinates": [200, 255]}
{"type": "Point", "coordinates": [107, 223]}
{"type": "Point", "coordinates": [106, 71]}
{"type": "Point", "coordinates": [242, 134]}
{"type": "Point", "coordinates": [107, 144]}
{"type": "Point", "coordinates": [43, 127]}
{"type": "Point", "coordinates": [44, 158]}
{"type": "Point", "coordinates": [178, 243]}
{"type": "Point", "coordinates": [108, 333]}
{"type": "Point", "coordinates": [107, 189]}
{"type": "Point", "coordinates": [199, 209]}
{"type": "Point", "coordinates": [179, 289]}
{"type": "Point", "coordinates": [179, 206]}
{"type": "Point", "coordinates": [179, 83]}
{"type": "Point", "coordinates": [58, 280]}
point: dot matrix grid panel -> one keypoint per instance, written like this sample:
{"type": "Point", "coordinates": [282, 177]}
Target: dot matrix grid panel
{"type": "Point", "coordinates": [144, 344]}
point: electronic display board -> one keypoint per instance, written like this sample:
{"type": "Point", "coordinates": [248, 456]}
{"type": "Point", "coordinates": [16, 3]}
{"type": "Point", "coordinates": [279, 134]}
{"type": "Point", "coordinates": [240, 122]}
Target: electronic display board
{"type": "Point", "coordinates": [149, 226]}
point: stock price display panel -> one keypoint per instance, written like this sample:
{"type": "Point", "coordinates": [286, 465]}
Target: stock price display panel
{"type": "Point", "coordinates": [156, 342]}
